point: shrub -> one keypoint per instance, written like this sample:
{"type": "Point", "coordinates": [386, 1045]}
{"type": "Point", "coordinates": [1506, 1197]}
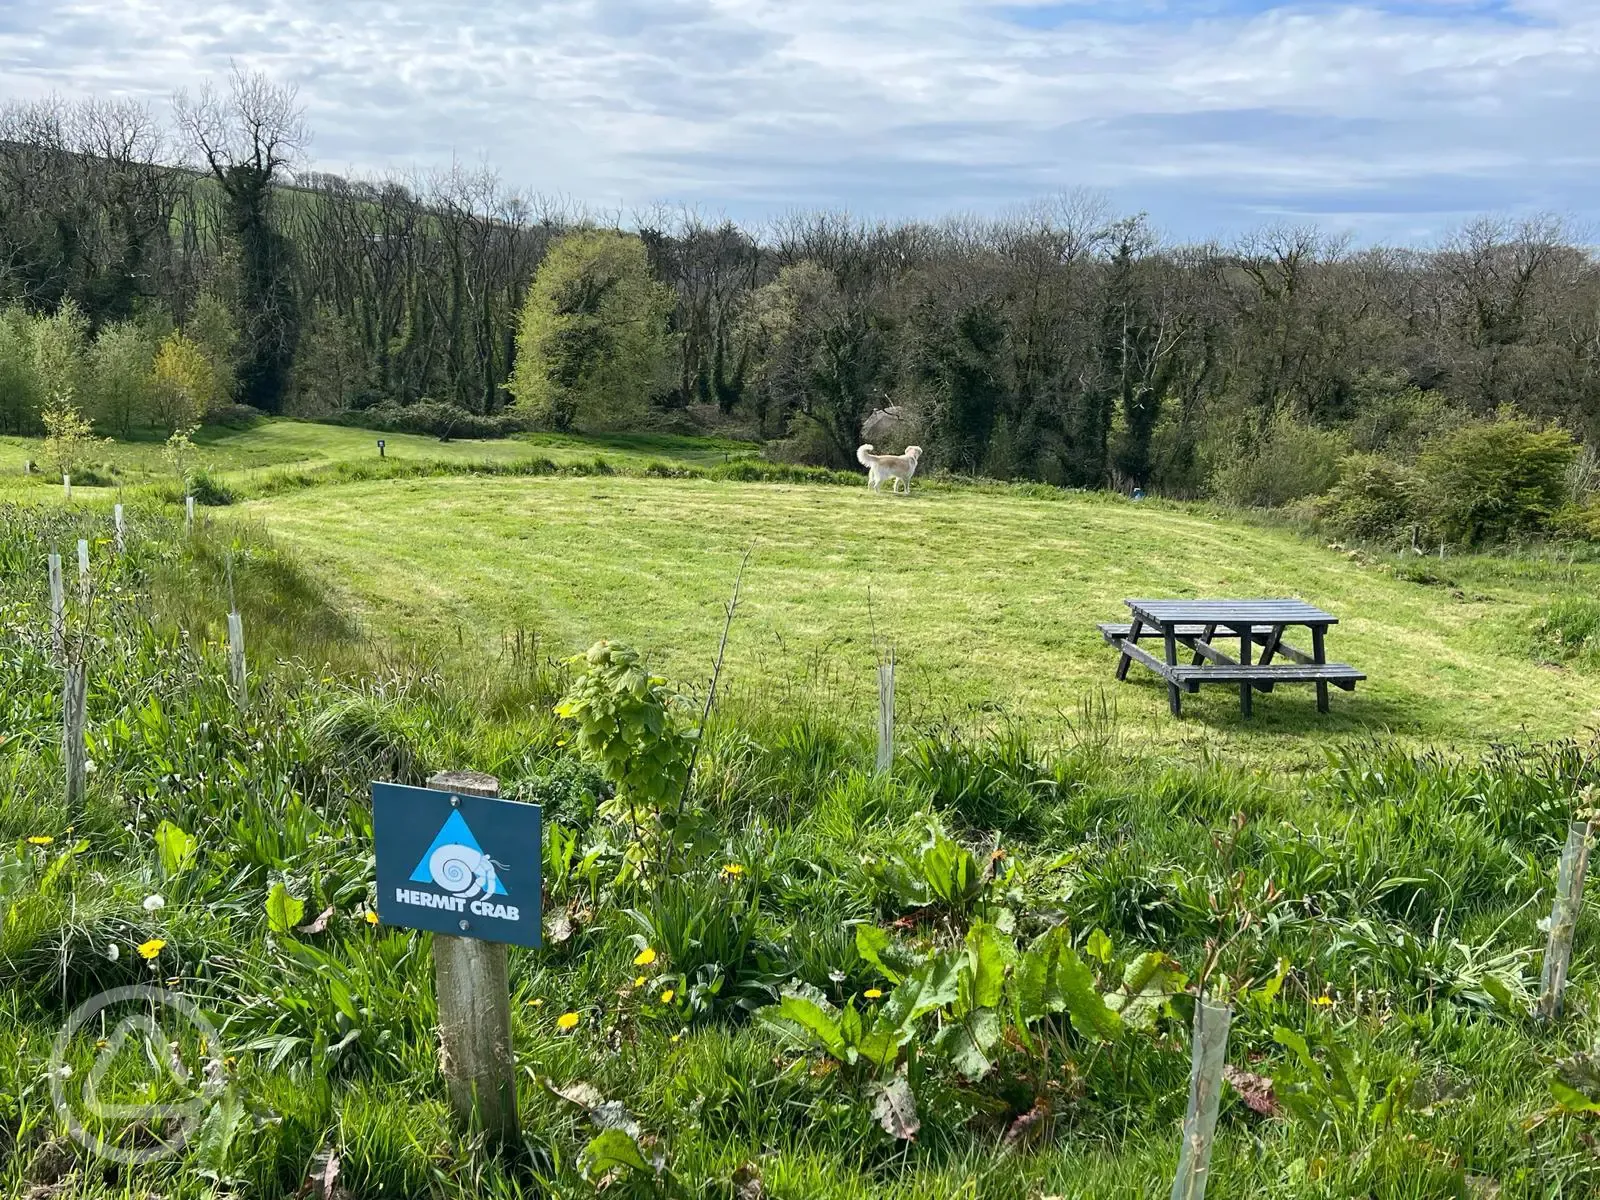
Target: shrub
{"type": "Point", "coordinates": [1374, 500]}
{"type": "Point", "coordinates": [1290, 461]}
{"type": "Point", "coordinates": [1493, 480]}
{"type": "Point", "coordinates": [434, 418]}
{"type": "Point", "coordinates": [208, 491]}
{"type": "Point", "coordinates": [1568, 629]}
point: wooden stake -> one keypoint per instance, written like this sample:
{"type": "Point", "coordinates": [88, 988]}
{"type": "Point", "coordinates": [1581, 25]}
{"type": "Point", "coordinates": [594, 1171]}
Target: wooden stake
{"type": "Point", "coordinates": [83, 570]}
{"type": "Point", "coordinates": [1209, 1055]}
{"type": "Point", "coordinates": [122, 531]}
{"type": "Point", "coordinates": [1564, 918]}
{"type": "Point", "coordinates": [58, 608]}
{"type": "Point", "coordinates": [474, 993]}
{"type": "Point", "coordinates": [73, 699]}
{"type": "Point", "coordinates": [886, 714]}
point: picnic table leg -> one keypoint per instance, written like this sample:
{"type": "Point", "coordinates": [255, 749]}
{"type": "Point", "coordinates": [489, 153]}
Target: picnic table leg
{"type": "Point", "coordinates": [1320, 656]}
{"type": "Point", "coordinates": [1174, 693]}
{"type": "Point", "coordinates": [1133, 636]}
{"type": "Point", "coordinates": [1246, 640]}
{"type": "Point", "coordinates": [1209, 633]}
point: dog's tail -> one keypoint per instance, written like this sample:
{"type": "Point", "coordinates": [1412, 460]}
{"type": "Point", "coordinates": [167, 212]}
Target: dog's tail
{"type": "Point", "coordinates": [864, 455]}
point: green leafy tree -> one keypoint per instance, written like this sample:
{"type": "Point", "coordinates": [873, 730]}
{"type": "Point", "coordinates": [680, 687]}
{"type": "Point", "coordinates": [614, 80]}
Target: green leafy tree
{"type": "Point", "coordinates": [593, 344]}
{"type": "Point", "coordinates": [68, 435]}
{"type": "Point", "coordinates": [214, 330]}
{"type": "Point", "coordinates": [20, 395]}
{"type": "Point", "coordinates": [186, 384]}
{"type": "Point", "coordinates": [121, 385]}
{"type": "Point", "coordinates": [1493, 480]}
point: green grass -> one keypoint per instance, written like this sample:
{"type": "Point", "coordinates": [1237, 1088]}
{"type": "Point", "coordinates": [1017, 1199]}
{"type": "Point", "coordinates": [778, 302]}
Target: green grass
{"type": "Point", "coordinates": [1402, 884]}
{"type": "Point", "coordinates": [245, 456]}
{"type": "Point", "coordinates": [990, 598]}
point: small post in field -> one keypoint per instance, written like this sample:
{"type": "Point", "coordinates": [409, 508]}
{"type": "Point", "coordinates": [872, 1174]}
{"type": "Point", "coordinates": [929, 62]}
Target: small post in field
{"type": "Point", "coordinates": [886, 714]}
{"type": "Point", "coordinates": [83, 570]}
{"type": "Point", "coordinates": [74, 693]}
{"type": "Point", "coordinates": [58, 608]}
{"type": "Point", "coordinates": [1564, 918]}
{"type": "Point", "coordinates": [122, 529]}
{"type": "Point", "coordinates": [66, 487]}
{"type": "Point", "coordinates": [241, 682]}
{"type": "Point", "coordinates": [474, 992]}
{"type": "Point", "coordinates": [188, 515]}
{"type": "Point", "coordinates": [381, 454]}
{"type": "Point", "coordinates": [1210, 1055]}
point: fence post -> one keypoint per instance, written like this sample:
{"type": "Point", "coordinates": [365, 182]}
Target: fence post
{"type": "Point", "coordinates": [188, 515]}
{"type": "Point", "coordinates": [58, 608]}
{"type": "Point", "coordinates": [122, 531]}
{"type": "Point", "coordinates": [1209, 1055]}
{"type": "Point", "coordinates": [474, 992]}
{"type": "Point", "coordinates": [886, 715]}
{"type": "Point", "coordinates": [1564, 918]}
{"type": "Point", "coordinates": [83, 570]}
{"type": "Point", "coordinates": [73, 698]}
{"type": "Point", "coordinates": [241, 684]}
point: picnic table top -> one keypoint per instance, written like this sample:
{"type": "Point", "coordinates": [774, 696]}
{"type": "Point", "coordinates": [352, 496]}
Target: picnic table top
{"type": "Point", "coordinates": [1227, 612]}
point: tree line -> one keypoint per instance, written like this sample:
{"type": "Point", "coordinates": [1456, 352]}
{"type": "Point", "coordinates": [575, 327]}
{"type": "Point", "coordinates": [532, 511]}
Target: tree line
{"type": "Point", "coordinates": [1064, 342]}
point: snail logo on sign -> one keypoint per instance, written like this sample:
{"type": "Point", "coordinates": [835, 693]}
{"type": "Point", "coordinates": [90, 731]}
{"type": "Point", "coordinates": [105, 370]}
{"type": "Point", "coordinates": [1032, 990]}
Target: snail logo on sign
{"type": "Point", "coordinates": [449, 880]}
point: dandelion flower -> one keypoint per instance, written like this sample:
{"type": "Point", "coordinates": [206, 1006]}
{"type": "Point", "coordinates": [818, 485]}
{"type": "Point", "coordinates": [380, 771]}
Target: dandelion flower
{"type": "Point", "coordinates": [732, 869]}
{"type": "Point", "coordinates": [666, 996]}
{"type": "Point", "coordinates": [148, 950]}
{"type": "Point", "coordinates": [873, 993]}
{"type": "Point", "coordinates": [677, 1037]}
{"type": "Point", "coordinates": [372, 917]}
{"type": "Point", "coordinates": [644, 958]}
{"type": "Point", "coordinates": [152, 903]}
{"type": "Point", "coordinates": [537, 1002]}
{"type": "Point", "coordinates": [40, 841]}
{"type": "Point", "coordinates": [567, 1022]}
{"type": "Point", "coordinates": [1323, 1000]}
{"type": "Point", "coordinates": [639, 982]}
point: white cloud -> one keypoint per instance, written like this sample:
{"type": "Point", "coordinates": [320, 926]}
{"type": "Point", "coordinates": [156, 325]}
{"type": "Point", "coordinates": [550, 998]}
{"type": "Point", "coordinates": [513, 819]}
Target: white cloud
{"type": "Point", "coordinates": [1397, 116]}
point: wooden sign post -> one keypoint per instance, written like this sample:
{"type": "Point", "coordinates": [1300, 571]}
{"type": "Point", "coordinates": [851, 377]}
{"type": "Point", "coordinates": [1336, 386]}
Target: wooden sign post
{"type": "Point", "coordinates": [454, 859]}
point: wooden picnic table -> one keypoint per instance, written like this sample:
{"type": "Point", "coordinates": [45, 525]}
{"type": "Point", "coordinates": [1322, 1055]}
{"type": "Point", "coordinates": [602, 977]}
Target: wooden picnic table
{"type": "Point", "coordinates": [1196, 625]}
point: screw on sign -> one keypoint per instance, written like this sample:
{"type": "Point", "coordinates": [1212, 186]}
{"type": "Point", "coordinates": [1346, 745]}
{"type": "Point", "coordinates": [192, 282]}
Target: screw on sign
{"type": "Point", "coordinates": [455, 859]}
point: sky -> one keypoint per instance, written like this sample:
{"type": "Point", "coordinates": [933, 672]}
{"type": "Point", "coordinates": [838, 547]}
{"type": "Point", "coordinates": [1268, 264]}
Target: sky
{"type": "Point", "coordinates": [1390, 120]}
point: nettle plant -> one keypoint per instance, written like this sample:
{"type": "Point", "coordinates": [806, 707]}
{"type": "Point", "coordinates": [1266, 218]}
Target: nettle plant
{"type": "Point", "coordinates": [631, 725]}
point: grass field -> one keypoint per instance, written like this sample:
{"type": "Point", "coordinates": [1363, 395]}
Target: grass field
{"type": "Point", "coordinates": [247, 454]}
{"type": "Point", "coordinates": [761, 983]}
{"type": "Point", "coordinates": [990, 599]}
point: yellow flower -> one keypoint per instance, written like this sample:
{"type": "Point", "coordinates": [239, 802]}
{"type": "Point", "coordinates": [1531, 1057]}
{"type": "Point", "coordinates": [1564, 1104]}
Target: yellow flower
{"type": "Point", "coordinates": [873, 993]}
{"type": "Point", "coordinates": [639, 982]}
{"type": "Point", "coordinates": [666, 996]}
{"type": "Point", "coordinates": [537, 1002]}
{"type": "Point", "coordinates": [151, 948]}
{"type": "Point", "coordinates": [372, 917]}
{"type": "Point", "coordinates": [1325, 1001]}
{"type": "Point", "coordinates": [732, 869]}
{"type": "Point", "coordinates": [644, 958]}
{"type": "Point", "coordinates": [677, 1037]}
{"type": "Point", "coordinates": [40, 841]}
{"type": "Point", "coordinates": [567, 1021]}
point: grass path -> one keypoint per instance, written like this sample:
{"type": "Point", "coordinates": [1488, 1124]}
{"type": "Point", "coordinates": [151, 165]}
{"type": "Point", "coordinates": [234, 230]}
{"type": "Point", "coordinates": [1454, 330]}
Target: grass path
{"type": "Point", "coordinates": [990, 598]}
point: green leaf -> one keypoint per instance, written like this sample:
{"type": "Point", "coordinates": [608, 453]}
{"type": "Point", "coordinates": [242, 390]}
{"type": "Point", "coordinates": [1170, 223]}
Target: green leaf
{"type": "Point", "coordinates": [1098, 946]}
{"type": "Point", "coordinates": [1287, 1037]}
{"type": "Point", "coordinates": [1571, 1099]}
{"type": "Point", "coordinates": [967, 1043]}
{"type": "Point", "coordinates": [1052, 978]}
{"type": "Point", "coordinates": [1148, 983]}
{"type": "Point", "coordinates": [984, 975]}
{"type": "Point", "coordinates": [283, 910]}
{"type": "Point", "coordinates": [176, 848]}
{"type": "Point", "coordinates": [932, 985]}
{"type": "Point", "coordinates": [871, 944]}
{"type": "Point", "coordinates": [608, 1150]}
{"type": "Point", "coordinates": [1268, 992]}
{"type": "Point", "coordinates": [816, 1021]}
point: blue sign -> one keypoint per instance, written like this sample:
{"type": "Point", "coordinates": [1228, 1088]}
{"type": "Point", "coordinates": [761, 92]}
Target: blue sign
{"type": "Point", "coordinates": [463, 865]}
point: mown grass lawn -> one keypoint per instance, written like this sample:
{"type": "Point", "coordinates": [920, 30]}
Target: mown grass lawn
{"type": "Point", "coordinates": [239, 455]}
{"type": "Point", "coordinates": [989, 597]}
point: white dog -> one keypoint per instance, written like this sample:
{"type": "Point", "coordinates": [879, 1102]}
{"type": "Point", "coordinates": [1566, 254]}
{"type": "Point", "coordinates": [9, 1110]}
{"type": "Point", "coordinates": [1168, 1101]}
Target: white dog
{"type": "Point", "coordinates": [897, 467]}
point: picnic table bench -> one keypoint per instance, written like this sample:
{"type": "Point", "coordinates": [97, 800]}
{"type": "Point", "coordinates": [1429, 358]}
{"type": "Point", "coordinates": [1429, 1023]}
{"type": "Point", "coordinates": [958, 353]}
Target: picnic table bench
{"type": "Point", "coordinates": [1196, 625]}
